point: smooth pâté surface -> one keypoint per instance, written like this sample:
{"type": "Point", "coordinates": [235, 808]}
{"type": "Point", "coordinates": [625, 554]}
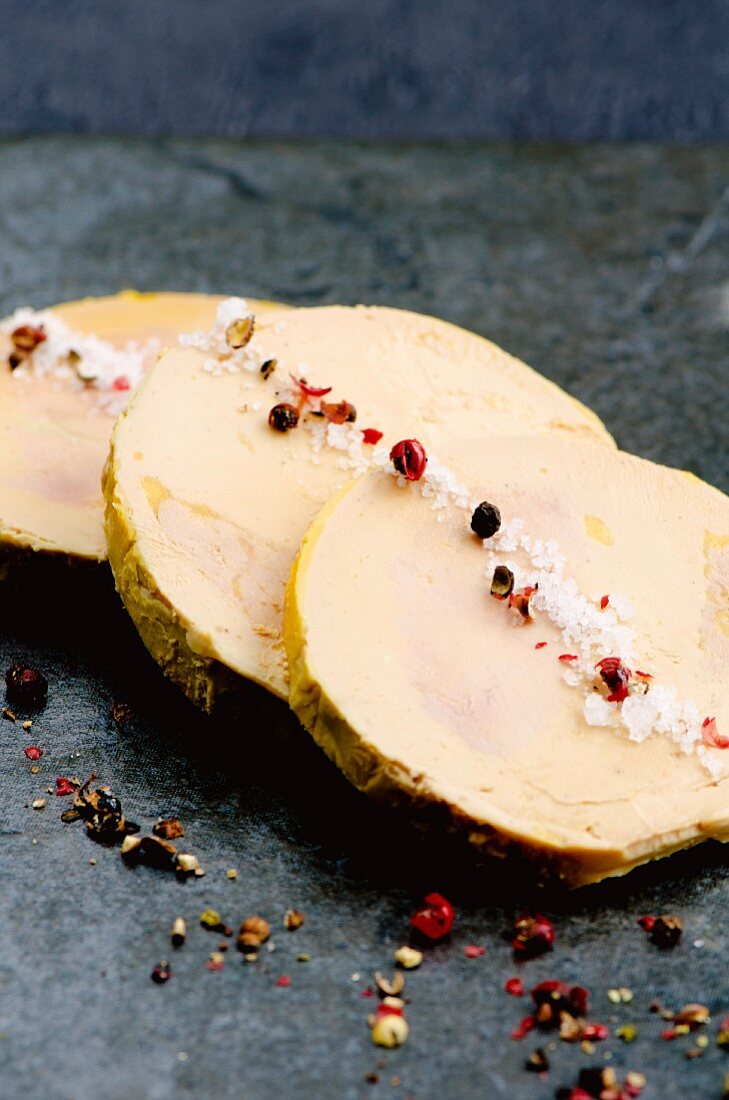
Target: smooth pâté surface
{"type": "Point", "coordinates": [602, 266]}
{"type": "Point", "coordinates": [422, 687]}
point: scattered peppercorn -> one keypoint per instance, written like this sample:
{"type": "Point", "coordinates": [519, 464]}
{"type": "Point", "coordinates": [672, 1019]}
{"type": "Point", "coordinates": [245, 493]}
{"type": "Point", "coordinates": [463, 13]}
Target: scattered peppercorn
{"type": "Point", "coordinates": [161, 973]}
{"type": "Point", "coordinates": [514, 987]}
{"type": "Point", "coordinates": [253, 932]}
{"type": "Point", "coordinates": [533, 935]}
{"type": "Point", "coordinates": [409, 459]}
{"type": "Point", "coordinates": [25, 686]}
{"type": "Point", "coordinates": [486, 520]}
{"type": "Point", "coordinates": [390, 1031]}
{"type": "Point", "coordinates": [33, 752]}
{"type": "Point", "coordinates": [283, 417]}
{"type": "Point", "coordinates": [121, 714]}
{"type": "Point", "coordinates": [502, 583]}
{"type": "Point", "coordinates": [666, 931]}
{"type": "Point", "coordinates": [435, 919]}
{"type": "Point", "coordinates": [268, 367]}
{"type": "Point", "coordinates": [538, 1062]}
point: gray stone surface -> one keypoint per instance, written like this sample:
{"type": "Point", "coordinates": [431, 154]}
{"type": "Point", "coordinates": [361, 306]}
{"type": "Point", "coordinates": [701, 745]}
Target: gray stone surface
{"type": "Point", "coordinates": [545, 69]}
{"type": "Point", "coordinates": [607, 268]}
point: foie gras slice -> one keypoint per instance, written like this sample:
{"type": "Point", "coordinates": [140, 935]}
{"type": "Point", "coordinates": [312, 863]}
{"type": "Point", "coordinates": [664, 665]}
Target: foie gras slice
{"type": "Point", "coordinates": [425, 689]}
{"type": "Point", "coordinates": [57, 410]}
{"type": "Point", "coordinates": [207, 503]}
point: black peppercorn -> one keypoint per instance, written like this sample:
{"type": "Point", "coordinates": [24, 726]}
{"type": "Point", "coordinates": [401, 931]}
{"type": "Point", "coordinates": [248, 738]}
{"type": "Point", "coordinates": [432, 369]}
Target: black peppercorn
{"type": "Point", "coordinates": [26, 686]}
{"type": "Point", "coordinates": [283, 417]}
{"type": "Point", "coordinates": [485, 520]}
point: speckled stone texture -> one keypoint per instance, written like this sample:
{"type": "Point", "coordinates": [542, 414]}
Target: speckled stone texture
{"type": "Point", "coordinates": [605, 267]}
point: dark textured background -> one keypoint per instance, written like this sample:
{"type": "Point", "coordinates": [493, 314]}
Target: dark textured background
{"type": "Point", "coordinates": [405, 68]}
{"type": "Point", "coordinates": [605, 267]}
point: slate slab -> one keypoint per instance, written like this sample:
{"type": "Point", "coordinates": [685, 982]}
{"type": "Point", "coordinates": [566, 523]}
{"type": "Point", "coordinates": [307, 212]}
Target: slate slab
{"type": "Point", "coordinates": [605, 267]}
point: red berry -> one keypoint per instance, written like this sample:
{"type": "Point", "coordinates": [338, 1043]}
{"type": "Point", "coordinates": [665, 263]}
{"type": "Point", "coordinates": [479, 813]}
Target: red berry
{"type": "Point", "coordinates": [435, 919]}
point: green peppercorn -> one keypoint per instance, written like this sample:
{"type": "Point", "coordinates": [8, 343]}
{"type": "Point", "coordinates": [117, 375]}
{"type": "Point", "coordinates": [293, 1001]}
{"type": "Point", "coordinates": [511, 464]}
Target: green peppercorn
{"type": "Point", "coordinates": [283, 417]}
{"type": "Point", "coordinates": [485, 520]}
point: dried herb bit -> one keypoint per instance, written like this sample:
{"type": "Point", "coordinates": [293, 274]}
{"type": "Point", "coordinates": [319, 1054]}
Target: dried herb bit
{"type": "Point", "coordinates": [268, 367]}
{"type": "Point", "coordinates": [253, 932]}
{"type": "Point", "coordinates": [409, 958]}
{"type": "Point", "coordinates": [293, 919]}
{"type": "Point", "coordinates": [434, 919]}
{"type": "Point", "coordinates": [533, 935]}
{"type": "Point", "coordinates": [121, 714]}
{"type": "Point", "coordinates": [178, 933]}
{"type": "Point", "coordinates": [502, 583]}
{"type": "Point", "coordinates": [340, 412]}
{"type": "Point", "coordinates": [538, 1062]}
{"type": "Point", "coordinates": [162, 972]}
{"type": "Point", "coordinates": [169, 828]}
{"type": "Point", "coordinates": [663, 931]}
{"type": "Point", "coordinates": [150, 851]}
{"type": "Point", "coordinates": [25, 686]}
{"type": "Point", "coordinates": [239, 332]}
{"type": "Point", "coordinates": [409, 459]}
{"type": "Point", "coordinates": [283, 417]}
{"type": "Point", "coordinates": [485, 520]}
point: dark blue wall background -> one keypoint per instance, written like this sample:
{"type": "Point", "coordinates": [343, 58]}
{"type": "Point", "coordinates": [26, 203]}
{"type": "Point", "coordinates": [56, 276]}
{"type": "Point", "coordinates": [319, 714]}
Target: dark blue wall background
{"type": "Point", "coordinates": [420, 68]}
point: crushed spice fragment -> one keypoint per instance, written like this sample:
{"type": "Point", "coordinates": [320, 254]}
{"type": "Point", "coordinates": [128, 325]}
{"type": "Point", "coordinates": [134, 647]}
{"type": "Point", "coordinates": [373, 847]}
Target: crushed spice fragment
{"type": "Point", "coordinates": [538, 1061]}
{"type": "Point", "coordinates": [169, 828]}
{"type": "Point", "coordinates": [521, 601]}
{"type": "Point", "coordinates": [268, 366]}
{"type": "Point", "coordinates": [473, 952]}
{"type": "Point", "coordinates": [39, 804]}
{"type": "Point", "coordinates": [64, 786]}
{"type": "Point", "coordinates": [212, 920]}
{"type": "Point", "coordinates": [25, 686]}
{"type": "Point", "coordinates": [216, 961]}
{"type": "Point", "coordinates": [390, 988]}
{"type": "Point", "coordinates": [341, 412]}
{"type": "Point", "coordinates": [604, 602]}
{"type": "Point", "coordinates": [371, 436]}
{"type": "Point", "coordinates": [409, 958]}
{"type": "Point", "coordinates": [616, 676]}
{"type": "Point", "coordinates": [514, 987]}
{"type": "Point", "coordinates": [149, 850]}
{"type": "Point", "coordinates": [239, 332]}
{"type": "Point", "coordinates": [33, 752]}
{"type": "Point", "coordinates": [540, 645]}
{"type": "Point", "coordinates": [390, 1031]}
{"type": "Point", "coordinates": [178, 934]}
{"type": "Point", "coordinates": [434, 919]}
{"type": "Point", "coordinates": [711, 737]}
{"type": "Point", "coordinates": [293, 919]}
{"type": "Point", "coordinates": [283, 982]}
